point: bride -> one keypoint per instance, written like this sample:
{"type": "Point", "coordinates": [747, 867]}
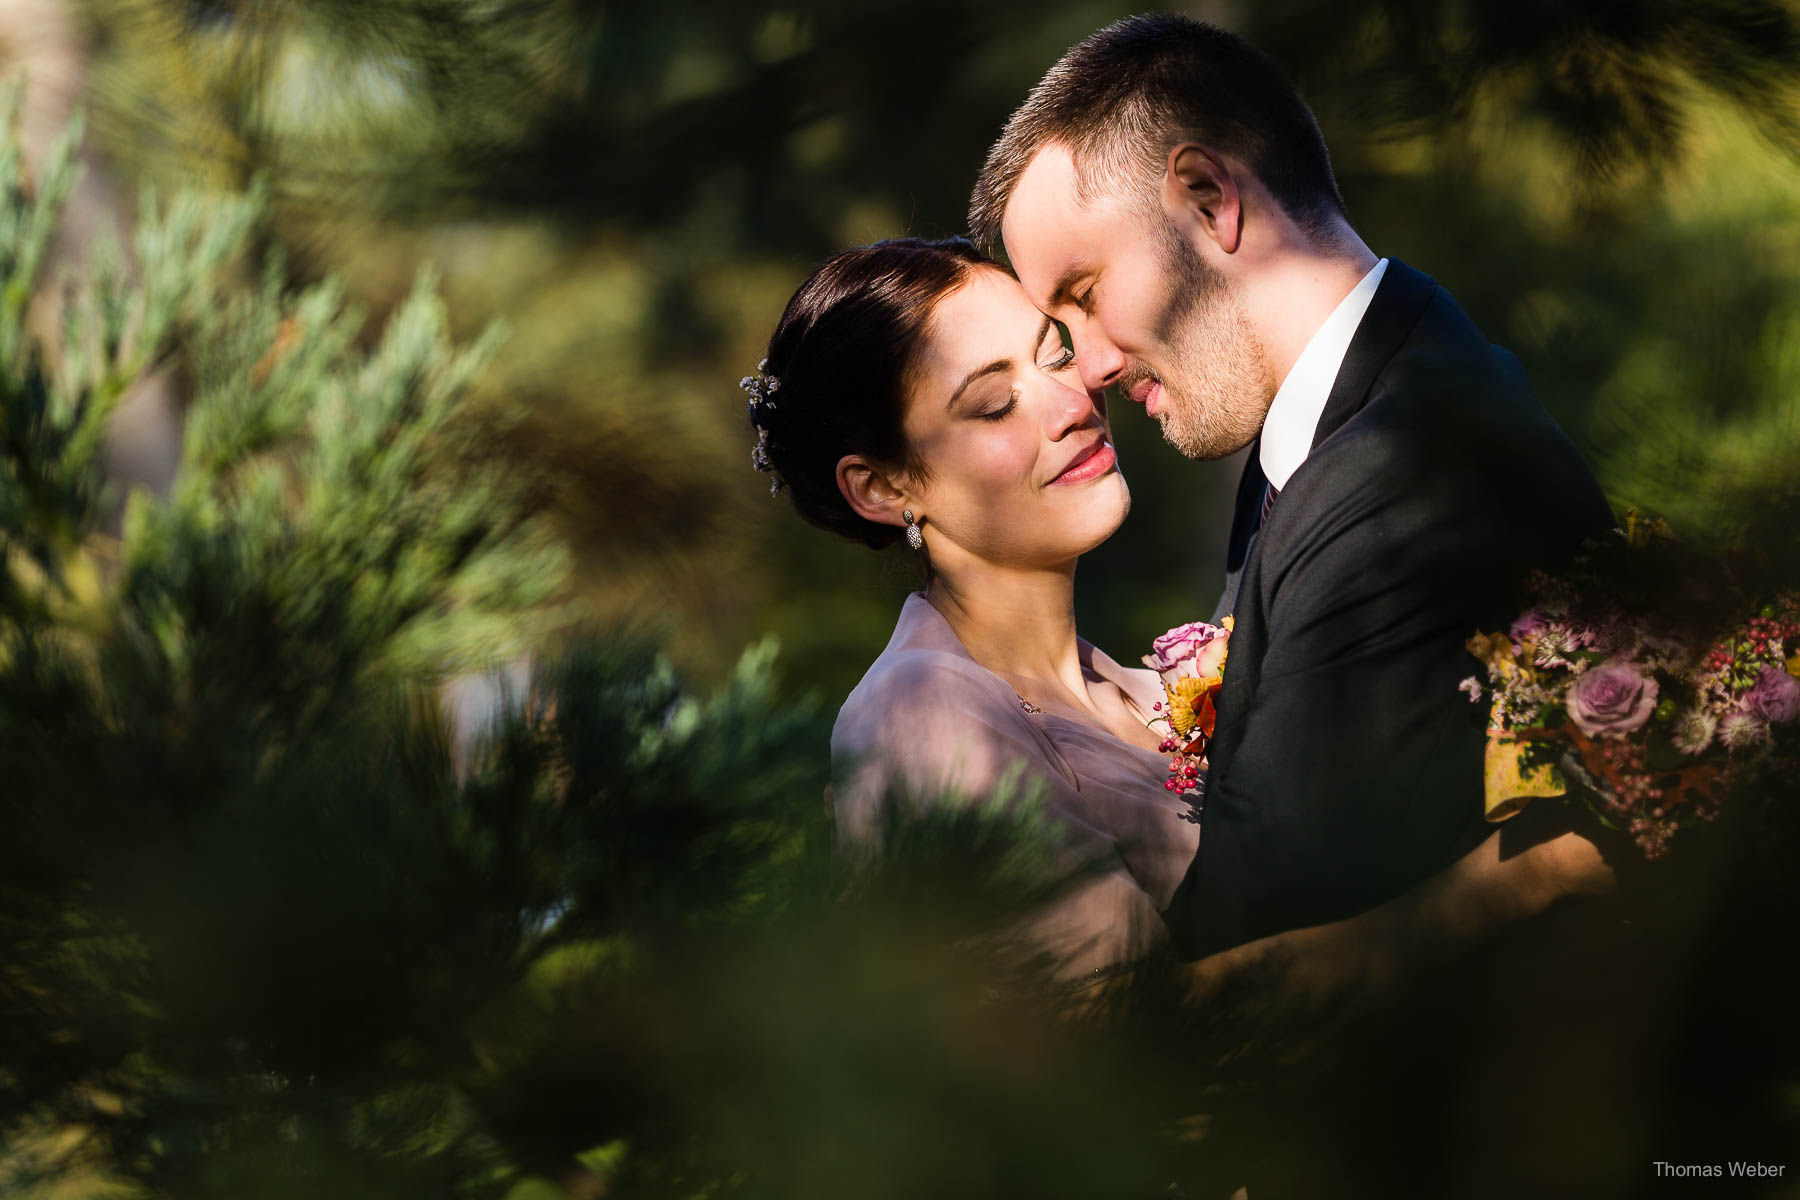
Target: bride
{"type": "Point", "coordinates": [911, 390]}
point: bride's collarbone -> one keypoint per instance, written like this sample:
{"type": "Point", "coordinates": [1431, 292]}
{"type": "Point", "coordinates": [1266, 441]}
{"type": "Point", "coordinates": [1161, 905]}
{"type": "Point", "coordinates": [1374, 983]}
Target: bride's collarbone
{"type": "Point", "coordinates": [1111, 709]}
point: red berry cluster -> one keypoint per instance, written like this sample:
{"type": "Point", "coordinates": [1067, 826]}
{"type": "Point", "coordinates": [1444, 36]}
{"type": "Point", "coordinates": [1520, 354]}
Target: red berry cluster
{"type": "Point", "coordinates": [1625, 771]}
{"type": "Point", "coordinates": [1767, 635]}
{"type": "Point", "coordinates": [1184, 770]}
{"type": "Point", "coordinates": [1653, 805]}
{"type": "Point", "coordinates": [1764, 639]}
{"type": "Point", "coordinates": [1652, 837]}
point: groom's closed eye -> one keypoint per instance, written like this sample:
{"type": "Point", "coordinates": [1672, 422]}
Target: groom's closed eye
{"type": "Point", "coordinates": [1063, 290]}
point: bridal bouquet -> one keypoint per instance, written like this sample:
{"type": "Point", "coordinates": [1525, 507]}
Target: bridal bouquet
{"type": "Point", "coordinates": [1647, 703]}
{"type": "Point", "coordinates": [1191, 661]}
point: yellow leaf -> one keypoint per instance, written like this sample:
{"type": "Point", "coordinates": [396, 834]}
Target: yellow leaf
{"type": "Point", "coordinates": [1510, 784]}
{"type": "Point", "coordinates": [1184, 698]}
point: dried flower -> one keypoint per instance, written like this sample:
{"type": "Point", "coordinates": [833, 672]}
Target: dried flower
{"type": "Point", "coordinates": [1496, 653]}
{"type": "Point", "coordinates": [1694, 731]}
{"type": "Point", "coordinates": [1555, 644]}
{"type": "Point", "coordinates": [1740, 730]}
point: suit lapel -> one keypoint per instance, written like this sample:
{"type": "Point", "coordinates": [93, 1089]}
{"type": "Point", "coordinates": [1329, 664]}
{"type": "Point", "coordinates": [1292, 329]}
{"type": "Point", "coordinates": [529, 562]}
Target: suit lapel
{"type": "Point", "coordinates": [1393, 311]}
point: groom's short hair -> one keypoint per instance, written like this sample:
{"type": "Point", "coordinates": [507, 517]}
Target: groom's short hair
{"type": "Point", "coordinates": [1128, 94]}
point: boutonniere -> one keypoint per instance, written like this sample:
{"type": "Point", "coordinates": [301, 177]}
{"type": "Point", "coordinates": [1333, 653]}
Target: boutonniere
{"type": "Point", "coordinates": [1191, 662]}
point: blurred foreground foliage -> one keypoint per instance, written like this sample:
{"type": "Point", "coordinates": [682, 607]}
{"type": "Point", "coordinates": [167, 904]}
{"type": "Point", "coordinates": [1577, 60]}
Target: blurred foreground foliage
{"type": "Point", "coordinates": [273, 922]}
{"type": "Point", "coordinates": [267, 927]}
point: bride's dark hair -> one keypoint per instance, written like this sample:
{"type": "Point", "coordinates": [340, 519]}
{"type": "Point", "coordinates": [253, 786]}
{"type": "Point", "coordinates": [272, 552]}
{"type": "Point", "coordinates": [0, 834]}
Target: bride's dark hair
{"type": "Point", "coordinates": [839, 361]}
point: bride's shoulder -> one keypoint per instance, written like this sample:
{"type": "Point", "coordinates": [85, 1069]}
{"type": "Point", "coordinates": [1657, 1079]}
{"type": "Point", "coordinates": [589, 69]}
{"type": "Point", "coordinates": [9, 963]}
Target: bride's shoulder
{"type": "Point", "coordinates": [919, 684]}
{"type": "Point", "coordinates": [934, 724]}
{"type": "Point", "coordinates": [924, 675]}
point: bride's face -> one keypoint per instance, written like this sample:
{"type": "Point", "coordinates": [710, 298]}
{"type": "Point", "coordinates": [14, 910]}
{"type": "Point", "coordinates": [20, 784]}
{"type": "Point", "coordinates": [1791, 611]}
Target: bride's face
{"type": "Point", "coordinates": [1018, 459]}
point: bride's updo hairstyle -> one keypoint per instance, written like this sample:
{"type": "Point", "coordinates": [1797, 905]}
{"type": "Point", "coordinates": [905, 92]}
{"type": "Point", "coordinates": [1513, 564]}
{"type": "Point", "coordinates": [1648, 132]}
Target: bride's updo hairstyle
{"type": "Point", "coordinates": [838, 368]}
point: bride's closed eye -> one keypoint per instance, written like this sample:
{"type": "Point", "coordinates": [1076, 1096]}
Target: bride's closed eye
{"type": "Point", "coordinates": [1054, 344]}
{"type": "Point", "coordinates": [1001, 413]}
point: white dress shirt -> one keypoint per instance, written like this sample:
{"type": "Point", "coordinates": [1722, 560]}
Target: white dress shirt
{"type": "Point", "coordinates": [1294, 414]}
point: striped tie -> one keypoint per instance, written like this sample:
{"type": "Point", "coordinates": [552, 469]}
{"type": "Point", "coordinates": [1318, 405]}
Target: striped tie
{"type": "Point", "coordinates": [1270, 491]}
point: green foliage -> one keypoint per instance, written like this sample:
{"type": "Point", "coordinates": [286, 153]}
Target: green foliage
{"type": "Point", "coordinates": [269, 925]}
{"type": "Point", "coordinates": [1608, 188]}
{"type": "Point", "coordinates": [235, 864]}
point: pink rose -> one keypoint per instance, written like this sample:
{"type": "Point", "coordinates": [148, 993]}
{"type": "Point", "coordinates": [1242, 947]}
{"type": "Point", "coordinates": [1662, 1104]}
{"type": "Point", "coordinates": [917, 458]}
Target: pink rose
{"type": "Point", "coordinates": [1776, 696]}
{"type": "Point", "coordinates": [1529, 625]}
{"type": "Point", "coordinates": [1611, 700]}
{"type": "Point", "coordinates": [1195, 649]}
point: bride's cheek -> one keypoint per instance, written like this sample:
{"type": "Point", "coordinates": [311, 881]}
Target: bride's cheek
{"type": "Point", "coordinates": [1012, 459]}
{"type": "Point", "coordinates": [990, 463]}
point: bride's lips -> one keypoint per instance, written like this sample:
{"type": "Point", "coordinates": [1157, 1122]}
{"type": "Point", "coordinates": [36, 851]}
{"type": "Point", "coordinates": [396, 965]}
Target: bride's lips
{"type": "Point", "coordinates": [1091, 463]}
{"type": "Point", "coordinates": [1148, 392]}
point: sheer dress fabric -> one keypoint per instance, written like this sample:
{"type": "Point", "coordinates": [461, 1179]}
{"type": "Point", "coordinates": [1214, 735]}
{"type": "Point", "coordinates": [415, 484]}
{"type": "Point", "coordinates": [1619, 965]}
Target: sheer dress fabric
{"type": "Point", "coordinates": [927, 718]}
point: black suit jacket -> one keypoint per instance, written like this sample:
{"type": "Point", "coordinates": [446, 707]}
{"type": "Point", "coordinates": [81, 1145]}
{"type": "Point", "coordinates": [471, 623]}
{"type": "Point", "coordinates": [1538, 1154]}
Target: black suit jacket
{"type": "Point", "coordinates": [1346, 766]}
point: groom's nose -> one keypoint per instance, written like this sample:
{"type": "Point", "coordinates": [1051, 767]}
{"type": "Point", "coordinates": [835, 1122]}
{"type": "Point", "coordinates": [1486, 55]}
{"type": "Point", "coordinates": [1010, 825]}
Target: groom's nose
{"type": "Point", "coordinates": [1099, 361]}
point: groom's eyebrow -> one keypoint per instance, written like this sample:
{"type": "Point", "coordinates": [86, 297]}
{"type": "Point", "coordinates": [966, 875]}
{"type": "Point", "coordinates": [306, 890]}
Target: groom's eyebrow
{"type": "Point", "coordinates": [1061, 292]}
{"type": "Point", "coordinates": [996, 367]}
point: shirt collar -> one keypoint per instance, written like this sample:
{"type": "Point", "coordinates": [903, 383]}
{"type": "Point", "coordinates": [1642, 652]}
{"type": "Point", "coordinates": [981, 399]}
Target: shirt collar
{"type": "Point", "coordinates": [1287, 433]}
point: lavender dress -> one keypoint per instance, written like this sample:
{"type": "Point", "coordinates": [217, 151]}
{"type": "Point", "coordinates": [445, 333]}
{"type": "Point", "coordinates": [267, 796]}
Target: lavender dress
{"type": "Point", "coordinates": [930, 718]}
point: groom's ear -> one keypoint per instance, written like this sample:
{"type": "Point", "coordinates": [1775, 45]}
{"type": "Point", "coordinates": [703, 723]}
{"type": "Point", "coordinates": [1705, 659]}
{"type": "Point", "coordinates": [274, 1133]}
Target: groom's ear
{"type": "Point", "coordinates": [1200, 191]}
{"type": "Point", "coordinates": [869, 491]}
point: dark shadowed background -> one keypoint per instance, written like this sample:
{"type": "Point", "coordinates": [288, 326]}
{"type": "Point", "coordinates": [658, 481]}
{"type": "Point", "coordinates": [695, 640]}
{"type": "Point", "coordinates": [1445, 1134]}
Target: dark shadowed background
{"type": "Point", "coordinates": [1609, 189]}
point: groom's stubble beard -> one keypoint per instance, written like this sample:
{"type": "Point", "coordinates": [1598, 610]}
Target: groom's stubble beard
{"type": "Point", "coordinates": [1215, 386]}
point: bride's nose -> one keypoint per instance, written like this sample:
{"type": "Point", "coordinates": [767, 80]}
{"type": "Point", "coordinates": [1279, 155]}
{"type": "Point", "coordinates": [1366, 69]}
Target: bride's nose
{"type": "Point", "coordinates": [1070, 409]}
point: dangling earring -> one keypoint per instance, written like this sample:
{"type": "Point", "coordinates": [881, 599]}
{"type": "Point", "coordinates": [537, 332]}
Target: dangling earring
{"type": "Point", "coordinates": [914, 537]}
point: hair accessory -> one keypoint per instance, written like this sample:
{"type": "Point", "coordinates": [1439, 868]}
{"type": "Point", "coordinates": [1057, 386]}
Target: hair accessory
{"type": "Point", "coordinates": [914, 537]}
{"type": "Point", "coordinates": [761, 388]}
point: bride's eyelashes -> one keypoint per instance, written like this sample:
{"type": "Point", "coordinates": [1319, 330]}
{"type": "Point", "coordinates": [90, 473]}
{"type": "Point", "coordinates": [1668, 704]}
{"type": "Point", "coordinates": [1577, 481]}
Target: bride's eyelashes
{"type": "Point", "coordinates": [1003, 411]}
{"type": "Point", "coordinates": [1061, 362]}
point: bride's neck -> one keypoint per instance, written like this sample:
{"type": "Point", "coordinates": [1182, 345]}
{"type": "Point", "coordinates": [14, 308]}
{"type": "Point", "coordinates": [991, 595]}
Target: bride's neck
{"type": "Point", "coordinates": [1013, 622]}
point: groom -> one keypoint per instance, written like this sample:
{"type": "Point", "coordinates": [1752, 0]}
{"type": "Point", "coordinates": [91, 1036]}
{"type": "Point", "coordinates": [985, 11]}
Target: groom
{"type": "Point", "coordinates": [1166, 194]}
